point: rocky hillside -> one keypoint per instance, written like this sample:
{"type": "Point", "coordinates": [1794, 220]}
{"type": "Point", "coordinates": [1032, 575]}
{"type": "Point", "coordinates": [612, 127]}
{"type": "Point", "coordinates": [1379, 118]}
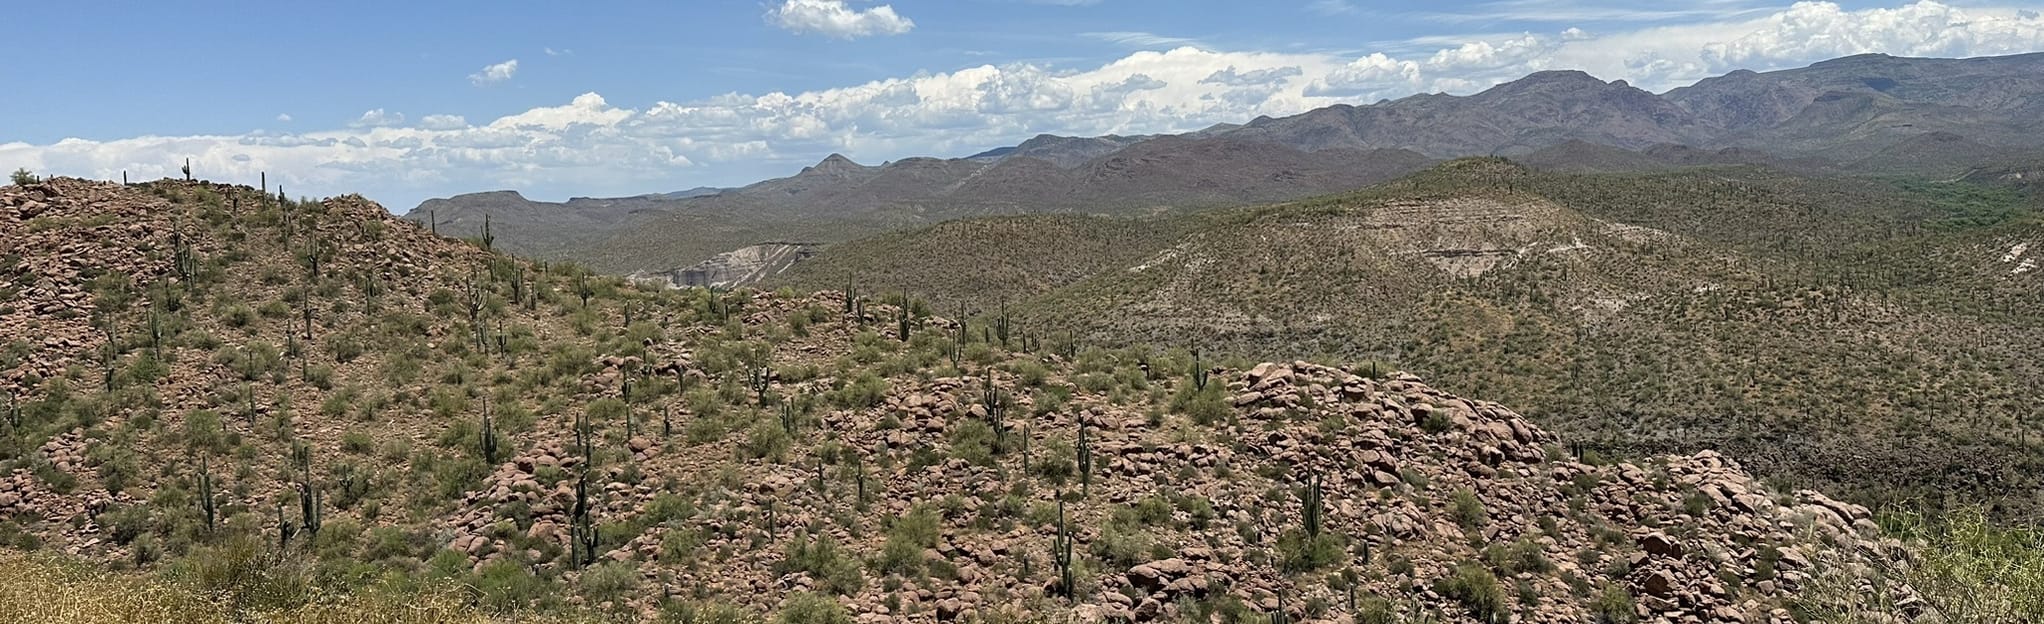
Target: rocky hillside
{"type": "Point", "coordinates": [216, 393]}
{"type": "Point", "coordinates": [1736, 309]}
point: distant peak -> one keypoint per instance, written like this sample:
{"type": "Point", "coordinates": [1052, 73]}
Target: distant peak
{"type": "Point", "coordinates": [835, 163]}
{"type": "Point", "coordinates": [1854, 59]}
{"type": "Point", "coordinates": [491, 195]}
{"type": "Point", "coordinates": [1552, 79]}
{"type": "Point", "coordinates": [1560, 75]}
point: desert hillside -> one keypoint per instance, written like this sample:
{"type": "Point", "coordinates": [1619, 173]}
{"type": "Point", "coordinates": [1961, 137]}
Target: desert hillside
{"type": "Point", "coordinates": [311, 409]}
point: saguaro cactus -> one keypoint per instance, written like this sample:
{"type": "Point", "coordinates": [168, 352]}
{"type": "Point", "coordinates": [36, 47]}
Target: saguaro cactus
{"type": "Point", "coordinates": [1085, 451]}
{"type": "Point", "coordinates": [207, 505]}
{"type": "Point", "coordinates": [489, 436]}
{"type": "Point", "coordinates": [1061, 552]}
{"type": "Point", "coordinates": [1314, 510]}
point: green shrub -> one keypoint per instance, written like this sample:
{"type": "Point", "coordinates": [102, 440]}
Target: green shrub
{"type": "Point", "coordinates": [1524, 555]}
{"type": "Point", "coordinates": [827, 565]}
{"type": "Point", "coordinates": [1467, 510]}
{"type": "Point", "coordinates": [807, 608]}
{"type": "Point", "coordinates": [1299, 552]}
{"type": "Point", "coordinates": [506, 586]}
{"type": "Point", "coordinates": [767, 440]}
{"type": "Point", "coordinates": [357, 442]}
{"type": "Point", "coordinates": [973, 441]}
{"type": "Point", "coordinates": [906, 539]}
{"type": "Point", "coordinates": [1205, 407]}
{"type": "Point", "coordinates": [608, 582]}
{"type": "Point", "coordinates": [1613, 605]}
{"type": "Point", "coordinates": [1477, 589]}
{"type": "Point", "coordinates": [865, 390]}
{"type": "Point", "coordinates": [1375, 610]}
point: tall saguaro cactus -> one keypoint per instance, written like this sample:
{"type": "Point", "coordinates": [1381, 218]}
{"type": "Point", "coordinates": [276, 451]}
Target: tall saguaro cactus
{"type": "Point", "coordinates": [1315, 511]}
{"type": "Point", "coordinates": [1085, 451]}
{"type": "Point", "coordinates": [1061, 552]}
{"type": "Point", "coordinates": [207, 505]}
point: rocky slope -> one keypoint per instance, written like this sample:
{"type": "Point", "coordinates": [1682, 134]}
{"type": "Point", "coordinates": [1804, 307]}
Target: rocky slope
{"type": "Point", "coordinates": [552, 440]}
{"type": "Point", "coordinates": [1554, 292]}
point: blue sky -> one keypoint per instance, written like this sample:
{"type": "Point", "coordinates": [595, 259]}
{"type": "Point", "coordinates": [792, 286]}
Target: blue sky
{"type": "Point", "coordinates": [407, 100]}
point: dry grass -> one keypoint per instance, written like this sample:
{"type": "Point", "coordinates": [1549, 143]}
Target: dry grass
{"type": "Point", "coordinates": [41, 588]}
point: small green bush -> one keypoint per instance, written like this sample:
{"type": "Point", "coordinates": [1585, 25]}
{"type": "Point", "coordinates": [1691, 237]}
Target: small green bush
{"type": "Point", "coordinates": [807, 608]}
{"type": "Point", "coordinates": [1477, 589]}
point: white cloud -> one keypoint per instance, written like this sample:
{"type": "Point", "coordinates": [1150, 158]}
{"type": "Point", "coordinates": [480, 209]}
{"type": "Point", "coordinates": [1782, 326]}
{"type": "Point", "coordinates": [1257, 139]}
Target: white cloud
{"type": "Point", "coordinates": [377, 118]}
{"type": "Point", "coordinates": [591, 146]}
{"type": "Point", "coordinates": [1331, 7]}
{"type": "Point", "coordinates": [833, 18]}
{"type": "Point", "coordinates": [1579, 11]}
{"type": "Point", "coordinates": [1138, 39]}
{"type": "Point", "coordinates": [559, 52]}
{"type": "Point", "coordinates": [1235, 78]}
{"type": "Point", "coordinates": [494, 73]}
{"type": "Point", "coordinates": [284, 117]}
{"type": "Point", "coordinates": [443, 122]}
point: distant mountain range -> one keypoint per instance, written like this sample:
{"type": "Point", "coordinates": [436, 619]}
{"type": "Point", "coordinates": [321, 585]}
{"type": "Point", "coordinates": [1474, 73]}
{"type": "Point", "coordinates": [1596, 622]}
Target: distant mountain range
{"type": "Point", "coordinates": [1868, 114]}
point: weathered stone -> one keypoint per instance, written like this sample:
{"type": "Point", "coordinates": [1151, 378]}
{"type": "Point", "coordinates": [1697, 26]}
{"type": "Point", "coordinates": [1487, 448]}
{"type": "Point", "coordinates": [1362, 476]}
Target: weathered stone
{"type": "Point", "coordinates": [1659, 544]}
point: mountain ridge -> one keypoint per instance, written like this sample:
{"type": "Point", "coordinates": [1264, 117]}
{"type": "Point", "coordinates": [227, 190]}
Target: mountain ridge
{"type": "Point", "coordinates": [1861, 115]}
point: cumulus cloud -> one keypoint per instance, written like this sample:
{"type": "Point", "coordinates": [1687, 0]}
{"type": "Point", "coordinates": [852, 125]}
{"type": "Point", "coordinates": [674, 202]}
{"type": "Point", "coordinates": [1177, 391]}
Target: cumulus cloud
{"type": "Point", "coordinates": [284, 117]}
{"type": "Point", "coordinates": [1234, 78]}
{"type": "Point", "coordinates": [592, 146]}
{"type": "Point", "coordinates": [377, 118]}
{"type": "Point", "coordinates": [833, 18]}
{"type": "Point", "coordinates": [443, 122]}
{"type": "Point", "coordinates": [494, 73]}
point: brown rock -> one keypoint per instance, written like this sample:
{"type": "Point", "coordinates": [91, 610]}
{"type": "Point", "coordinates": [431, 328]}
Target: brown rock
{"type": "Point", "coordinates": [1148, 610]}
{"type": "Point", "coordinates": [949, 608]}
{"type": "Point", "coordinates": [1658, 583]}
{"type": "Point", "coordinates": [1660, 545]}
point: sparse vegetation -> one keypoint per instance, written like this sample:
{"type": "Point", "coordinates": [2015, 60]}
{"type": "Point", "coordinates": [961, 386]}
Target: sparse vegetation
{"type": "Point", "coordinates": [487, 439]}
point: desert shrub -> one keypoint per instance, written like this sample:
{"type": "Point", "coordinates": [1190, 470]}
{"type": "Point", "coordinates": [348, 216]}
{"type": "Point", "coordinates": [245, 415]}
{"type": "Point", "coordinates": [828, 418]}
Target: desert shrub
{"type": "Point", "coordinates": [807, 608]}
{"type": "Point", "coordinates": [1375, 610]}
{"type": "Point", "coordinates": [1613, 605]}
{"type": "Point", "coordinates": [832, 569]}
{"type": "Point", "coordinates": [865, 390]}
{"type": "Point", "coordinates": [1478, 591]}
{"type": "Point", "coordinates": [1524, 555]}
{"type": "Point", "coordinates": [975, 442]}
{"type": "Point", "coordinates": [357, 442]}
{"type": "Point", "coordinates": [1205, 407]}
{"type": "Point", "coordinates": [906, 539]}
{"type": "Point", "coordinates": [505, 586]}
{"type": "Point", "coordinates": [246, 574]}
{"type": "Point", "coordinates": [1300, 552]}
{"type": "Point", "coordinates": [1979, 571]}
{"type": "Point", "coordinates": [768, 439]}
{"type": "Point", "coordinates": [1467, 510]}
{"type": "Point", "coordinates": [608, 582]}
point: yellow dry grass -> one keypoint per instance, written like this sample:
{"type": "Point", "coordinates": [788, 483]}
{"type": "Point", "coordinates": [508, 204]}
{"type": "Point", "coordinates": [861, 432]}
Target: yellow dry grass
{"type": "Point", "coordinates": [44, 589]}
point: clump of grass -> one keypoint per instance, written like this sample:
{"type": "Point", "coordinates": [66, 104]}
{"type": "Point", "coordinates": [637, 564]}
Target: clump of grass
{"type": "Point", "coordinates": [1975, 570]}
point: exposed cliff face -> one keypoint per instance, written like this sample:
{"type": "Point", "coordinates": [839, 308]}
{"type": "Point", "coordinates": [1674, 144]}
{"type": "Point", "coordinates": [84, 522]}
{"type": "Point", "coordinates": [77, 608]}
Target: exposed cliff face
{"type": "Point", "coordinates": [744, 266]}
